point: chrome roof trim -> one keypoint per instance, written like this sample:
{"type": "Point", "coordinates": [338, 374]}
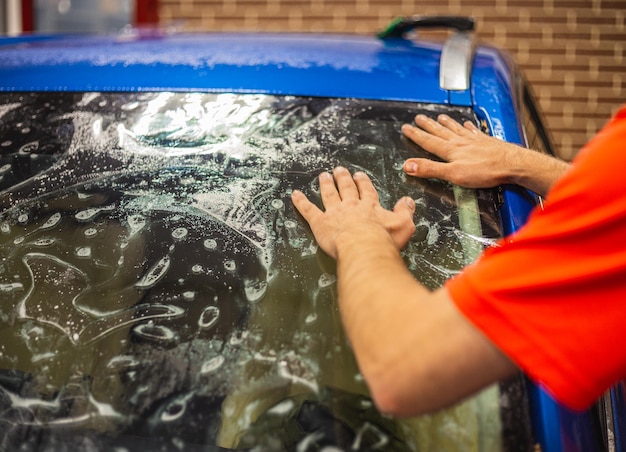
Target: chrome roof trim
{"type": "Point", "coordinates": [456, 61]}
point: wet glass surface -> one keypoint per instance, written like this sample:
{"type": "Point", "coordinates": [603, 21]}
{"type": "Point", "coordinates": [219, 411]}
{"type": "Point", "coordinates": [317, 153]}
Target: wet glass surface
{"type": "Point", "coordinates": [158, 291]}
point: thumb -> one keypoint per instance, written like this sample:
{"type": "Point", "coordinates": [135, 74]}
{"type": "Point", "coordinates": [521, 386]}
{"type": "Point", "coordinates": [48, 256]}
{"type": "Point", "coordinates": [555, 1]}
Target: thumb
{"type": "Point", "coordinates": [403, 231]}
{"type": "Point", "coordinates": [405, 206]}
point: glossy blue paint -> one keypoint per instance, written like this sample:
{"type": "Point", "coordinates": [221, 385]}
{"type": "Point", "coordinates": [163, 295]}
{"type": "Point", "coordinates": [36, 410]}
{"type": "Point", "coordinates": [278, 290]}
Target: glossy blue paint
{"type": "Point", "coordinates": [462, 98]}
{"type": "Point", "coordinates": [494, 95]}
{"type": "Point", "coordinates": [289, 64]}
{"type": "Point", "coordinates": [545, 419]}
{"type": "Point", "coordinates": [494, 88]}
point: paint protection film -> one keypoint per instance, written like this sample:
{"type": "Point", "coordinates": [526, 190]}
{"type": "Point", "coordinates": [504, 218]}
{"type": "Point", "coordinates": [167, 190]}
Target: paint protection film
{"type": "Point", "coordinates": [158, 291]}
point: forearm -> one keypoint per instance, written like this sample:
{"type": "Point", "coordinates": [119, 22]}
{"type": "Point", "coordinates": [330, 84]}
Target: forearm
{"type": "Point", "coordinates": [535, 171]}
{"type": "Point", "coordinates": [415, 350]}
{"type": "Point", "coordinates": [373, 284]}
{"type": "Point", "coordinates": [377, 300]}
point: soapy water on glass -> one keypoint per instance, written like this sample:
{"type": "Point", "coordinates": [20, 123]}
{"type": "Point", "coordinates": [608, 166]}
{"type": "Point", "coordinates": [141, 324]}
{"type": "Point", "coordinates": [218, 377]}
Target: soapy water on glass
{"type": "Point", "coordinates": [179, 216]}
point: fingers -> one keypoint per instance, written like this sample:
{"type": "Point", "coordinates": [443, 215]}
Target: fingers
{"type": "Point", "coordinates": [455, 127]}
{"type": "Point", "coordinates": [431, 143]}
{"type": "Point", "coordinates": [306, 208]}
{"type": "Point", "coordinates": [433, 127]}
{"type": "Point", "coordinates": [345, 184]}
{"type": "Point", "coordinates": [469, 125]}
{"type": "Point", "coordinates": [405, 207]}
{"type": "Point", "coordinates": [334, 190]}
{"type": "Point", "coordinates": [328, 190]}
{"type": "Point", "coordinates": [445, 127]}
{"type": "Point", "coordinates": [365, 186]}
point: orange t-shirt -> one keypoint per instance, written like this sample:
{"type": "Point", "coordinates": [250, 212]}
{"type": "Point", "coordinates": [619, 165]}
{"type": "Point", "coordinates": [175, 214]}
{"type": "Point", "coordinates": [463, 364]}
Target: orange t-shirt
{"type": "Point", "coordinates": [552, 296]}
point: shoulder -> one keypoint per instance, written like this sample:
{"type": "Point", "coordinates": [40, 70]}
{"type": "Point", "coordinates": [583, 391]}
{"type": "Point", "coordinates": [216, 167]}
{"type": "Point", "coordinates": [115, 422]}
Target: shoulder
{"type": "Point", "coordinates": [596, 175]}
{"type": "Point", "coordinates": [608, 142]}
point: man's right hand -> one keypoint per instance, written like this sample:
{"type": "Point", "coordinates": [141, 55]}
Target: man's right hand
{"type": "Point", "coordinates": [473, 159]}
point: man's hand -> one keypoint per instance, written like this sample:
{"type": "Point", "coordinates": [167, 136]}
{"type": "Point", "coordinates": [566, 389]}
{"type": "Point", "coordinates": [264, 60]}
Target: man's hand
{"type": "Point", "coordinates": [353, 210]}
{"type": "Point", "coordinates": [473, 159]}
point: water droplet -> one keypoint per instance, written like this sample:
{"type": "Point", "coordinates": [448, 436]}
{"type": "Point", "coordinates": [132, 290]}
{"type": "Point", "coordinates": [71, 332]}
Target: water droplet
{"type": "Point", "coordinates": [83, 251]}
{"type": "Point", "coordinates": [52, 221]}
{"type": "Point", "coordinates": [10, 287]}
{"type": "Point", "coordinates": [44, 242]}
{"type": "Point", "coordinates": [136, 223]}
{"type": "Point", "coordinates": [283, 408]}
{"type": "Point", "coordinates": [5, 168]}
{"type": "Point", "coordinates": [174, 410]}
{"type": "Point", "coordinates": [230, 265]}
{"type": "Point", "coordinates": [6, 143]}
{"type": "Point", "coordinates": [278, 204]}
{"type": "Point", "coordinates": [255, 290]}
{"type": "Point", "coordinates": [130, 106]}
{"type": "Point", "coordinates": [18, 240]}
{"type": "Point", "coordinates": [190, 295]}
{"type": "Point", "coordinates": [326, 280]}
{"type": "Point", "coordinates": [87, 215]}
{"type": "Point", "coordinates": [23, 218]}
{"type": "Point", "coordinates": [155, 274]}
{"type": "Point", "coordinates": [210, 244]}
{"type": "Point", "coordinates": [212, 365]}
{"type": "Point", "coordinates": [154, 333]}
{"type": "Point", "coordinates": [29, 147]}
{"type": "Point", "coordinates": [90, 232]}
{"type": "Point", "coordinates": [311, 318]}
{"type": "Point", "coordinates": [238, 337]}
{"type": "Point", "coordinates": [197, 269]}
{"type": "Point", "coordinates": [309, 251]}
{"type": "Point", "coordinates": [122, 363]}
{"type": "Point", "coordinates": [290, 224]}
{"type": "Point", "coordinates": [209, 317]}
{"type": "Point", "coordinates": [5, 228]}
{"type": "Point", "coordinates": [179, 233]}
{"type": "Point", "coordinates": [91, 213]}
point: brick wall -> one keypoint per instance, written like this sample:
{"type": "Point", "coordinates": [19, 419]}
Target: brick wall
{"type": "Point", "coordinates": [572, 51]}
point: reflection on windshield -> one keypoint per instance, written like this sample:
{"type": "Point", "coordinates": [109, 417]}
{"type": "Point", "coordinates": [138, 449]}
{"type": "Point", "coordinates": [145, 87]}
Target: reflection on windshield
{"type": "Point", "coordinates": [156, 282]}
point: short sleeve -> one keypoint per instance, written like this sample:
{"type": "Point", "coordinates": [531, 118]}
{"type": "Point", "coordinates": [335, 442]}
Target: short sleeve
{"type": "Point", "coordinates": [552, 296]}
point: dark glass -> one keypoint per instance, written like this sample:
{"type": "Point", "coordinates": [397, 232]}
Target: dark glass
{"type": "Point", "coordinates": [158, 291]}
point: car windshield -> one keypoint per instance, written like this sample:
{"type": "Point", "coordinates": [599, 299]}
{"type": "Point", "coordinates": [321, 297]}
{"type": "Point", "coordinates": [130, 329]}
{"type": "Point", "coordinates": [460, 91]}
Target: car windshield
{"type": "Point", "coordinates": [158, 291]}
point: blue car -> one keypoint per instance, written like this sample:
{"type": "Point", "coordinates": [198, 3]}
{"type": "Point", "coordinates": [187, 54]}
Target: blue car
{"type": "Point", "coordinates": [158, 291]}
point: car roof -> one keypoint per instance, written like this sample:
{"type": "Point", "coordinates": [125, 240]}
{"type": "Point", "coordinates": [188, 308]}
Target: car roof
{"type": "Point", "coordinates": [275, 63]}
